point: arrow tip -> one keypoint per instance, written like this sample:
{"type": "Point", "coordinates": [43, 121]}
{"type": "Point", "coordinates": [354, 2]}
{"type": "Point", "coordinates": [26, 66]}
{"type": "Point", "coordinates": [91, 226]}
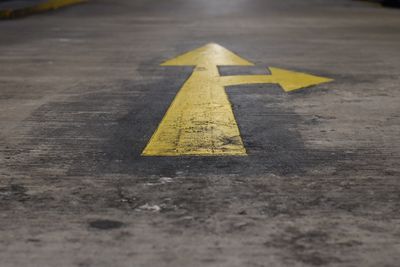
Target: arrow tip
{"type": "Point", "coordinates": [209, 54]}
{"type": "Point", "coordinates": [290, 80]}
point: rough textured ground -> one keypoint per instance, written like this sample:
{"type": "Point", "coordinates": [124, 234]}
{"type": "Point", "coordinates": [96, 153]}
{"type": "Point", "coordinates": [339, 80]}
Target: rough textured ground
{"type": "Point", "coordinates": [81, 92]}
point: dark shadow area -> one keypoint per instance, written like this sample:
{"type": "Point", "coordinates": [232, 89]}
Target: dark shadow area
{"type": "Point", "coordinates": [386, 3]}
{"type": "Point", "coordinates": [95, 138]}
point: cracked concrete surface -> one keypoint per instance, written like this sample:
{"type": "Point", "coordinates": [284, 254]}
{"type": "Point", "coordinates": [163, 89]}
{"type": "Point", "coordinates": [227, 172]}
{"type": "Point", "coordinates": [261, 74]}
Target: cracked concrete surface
{"type": "Point", "coordinates": [81, 92]}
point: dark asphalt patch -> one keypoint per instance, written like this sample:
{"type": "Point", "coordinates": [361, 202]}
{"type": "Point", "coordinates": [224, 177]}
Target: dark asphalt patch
{"type": "Point", "coordinates": [105, 129]}
{"type": "Point", "coordinates": [243, 70]}
{"type": "Point", "coordinates": [268, 131]}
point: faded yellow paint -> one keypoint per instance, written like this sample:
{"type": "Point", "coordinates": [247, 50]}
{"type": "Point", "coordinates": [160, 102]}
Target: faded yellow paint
{"type": "Point", "coordinates": [54, 4]}
{"type": "Point", "coordinates": [200, 120]}
{"type": "Point", "coordinates": [288, 80]}
{"type": "Point", "coordinates": [41, 7]}
{"type": "Point", "coordinates": [208, 55]}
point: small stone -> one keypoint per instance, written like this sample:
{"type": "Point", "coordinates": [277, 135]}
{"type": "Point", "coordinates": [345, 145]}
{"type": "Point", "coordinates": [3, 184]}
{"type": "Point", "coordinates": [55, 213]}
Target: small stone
{"type": "Point", "coordinates": [148, 207]}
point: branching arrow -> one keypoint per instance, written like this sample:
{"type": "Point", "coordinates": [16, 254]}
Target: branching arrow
{"type": "Point", "coordinates": [200, 120]}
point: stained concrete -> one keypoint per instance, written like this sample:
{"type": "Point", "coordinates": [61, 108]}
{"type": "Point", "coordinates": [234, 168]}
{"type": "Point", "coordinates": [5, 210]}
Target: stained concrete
{"type": "Point", "coordinates": [81, 92]}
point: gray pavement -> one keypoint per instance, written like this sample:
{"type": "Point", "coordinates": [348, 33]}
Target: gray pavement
{"type": "Point", "coordinates": [82, 91]}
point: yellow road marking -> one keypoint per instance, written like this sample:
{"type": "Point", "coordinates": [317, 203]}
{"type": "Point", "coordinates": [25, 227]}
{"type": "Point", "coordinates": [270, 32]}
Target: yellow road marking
{"type": "Point", "coordinates": [288, 80]}
{"type": "Point", "coordinates": [48, 5]}
{"type": "Point", "coordinates": [200, 120]}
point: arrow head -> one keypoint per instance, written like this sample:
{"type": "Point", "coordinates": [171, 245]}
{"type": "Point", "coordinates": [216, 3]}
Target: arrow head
{"type": "Point", "coordinates": [210, 54]}
{"type": "Point", "coordinates": [290, 80]}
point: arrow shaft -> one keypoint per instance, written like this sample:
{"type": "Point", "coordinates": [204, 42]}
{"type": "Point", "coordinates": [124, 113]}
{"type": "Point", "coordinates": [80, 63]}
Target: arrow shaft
{"type": "Point", "coordinates": [200, 120]}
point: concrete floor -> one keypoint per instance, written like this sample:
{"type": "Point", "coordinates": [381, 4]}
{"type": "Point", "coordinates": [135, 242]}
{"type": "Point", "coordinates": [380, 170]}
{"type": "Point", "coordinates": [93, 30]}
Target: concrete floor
{"type": "Point", "coordinates": [81, 93]}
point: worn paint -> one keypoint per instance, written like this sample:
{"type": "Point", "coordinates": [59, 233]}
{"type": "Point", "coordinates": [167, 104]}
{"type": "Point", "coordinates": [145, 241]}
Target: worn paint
{"type": "Point", "coordinates": [200, 120]}
{"type": "Point", "coordinates": [37, 8]}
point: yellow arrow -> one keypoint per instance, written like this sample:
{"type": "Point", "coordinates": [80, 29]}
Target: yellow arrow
{"type": "Point", "coordinates": [200, 120]}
